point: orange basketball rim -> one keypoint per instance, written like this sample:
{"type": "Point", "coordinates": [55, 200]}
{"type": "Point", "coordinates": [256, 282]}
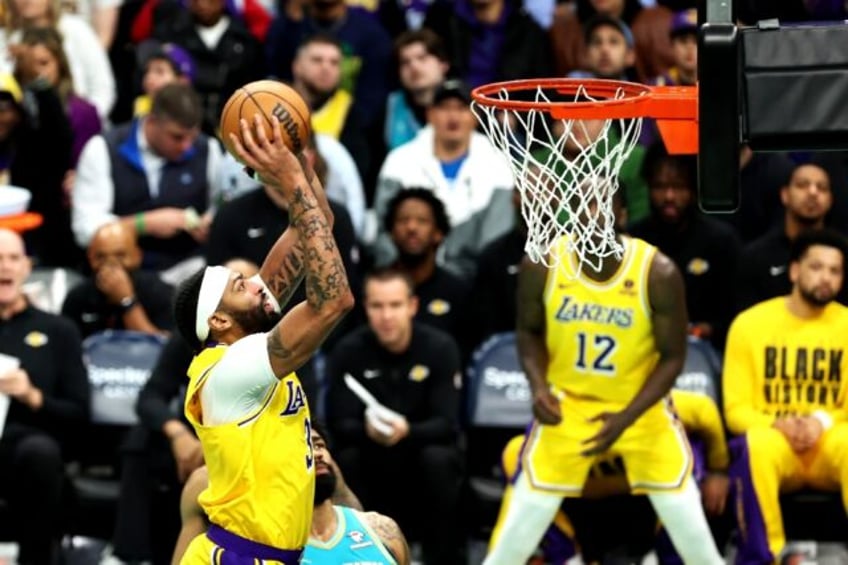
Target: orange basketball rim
{"type": "Point", "coordinates": [675, 108]}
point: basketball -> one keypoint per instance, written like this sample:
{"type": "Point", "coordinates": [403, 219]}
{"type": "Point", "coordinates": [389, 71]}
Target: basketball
{"type": "Point", "coordinates": [270, 99]}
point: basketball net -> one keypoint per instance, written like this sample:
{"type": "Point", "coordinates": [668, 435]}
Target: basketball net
{"type": "Point", "coordinates": [566, 171]}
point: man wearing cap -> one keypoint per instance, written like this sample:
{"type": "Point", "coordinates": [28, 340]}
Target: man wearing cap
{"type": "Point", "coordinates": [244, 399]}
{"type": "Point", "coordinates": [163, 64]}
{"type": "Point", "coordinates": [609, 50]}
{"type": "Point", "coordinates": [462, 168]}
{"type": "Point", "coordinates": [684, 47]}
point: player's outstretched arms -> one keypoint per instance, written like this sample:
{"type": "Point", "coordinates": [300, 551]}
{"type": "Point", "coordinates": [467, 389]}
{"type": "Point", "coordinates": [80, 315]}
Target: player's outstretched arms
{"type": "Point", "coordinates": [391, 536]}
{"type": "Point", "coordinates": [530, 335]}
{"type": "Point", "coordinates": [298, 335]}
{"type": "Point", "coordinates": [669, 320]}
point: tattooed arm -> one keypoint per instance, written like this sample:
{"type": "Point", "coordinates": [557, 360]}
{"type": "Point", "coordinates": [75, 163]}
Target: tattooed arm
{"type": "Point", "coordinates": [390, 534]}
{"type": "Point", "coordinates": [328, 297]}
{"type": "Point", "coordinates": [282, 269]}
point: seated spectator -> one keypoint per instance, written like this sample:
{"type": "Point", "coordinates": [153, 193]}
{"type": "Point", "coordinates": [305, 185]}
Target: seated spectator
{"type": "Point", "coordinates": [118, 295]}
{"type": "Point", "coordinates": [225, 54]}
{"type": "Point", "coordinates": [102, 15]}
{"type": "Point", "coordinates": [158, 456]}
{"type": "Point", "coordinates": [316, 75]}
{"type": "Point", "coordinates": [684, 47]}
{"type": "Point", "coordinates": [343, 182]}
{"type": "Point", "coordinates": [417, 223]}
{"type": "Point", "coordinates": [158, 175]}
{"type": "Point", "coordinates": [462, 169]}
{"type": "Point", "coordinates": [703, 248]}
{"type": "Point", "coordinates": [35, 153]}
{"type": "Point", "coordinates": [784, 395]}
{"type": "Point", "coordinates": [89, 64]}
{"type": "Point", "coordinates": [365, 44]}
{"type": "Point", "coordinates": [650, 33]}
{"type": "Point", "coordinates": [44, 58]}
{"type": "Point", "coordinates": [162, 63]}
{"type": "Point", "coordinates": [414, 370]}
{"type": "Point", "coordinates": [609, 50]}
{"type": "Point", "coordinates": [764, 263]}
{"type": "Point", "coordinates": [490, 41]}
{"type": "Point", "coordinates": [422, 66]}
{"type": "Point", "coordinates": [400, 16]}
{"type": "Point", "coordinates": [47, 387]}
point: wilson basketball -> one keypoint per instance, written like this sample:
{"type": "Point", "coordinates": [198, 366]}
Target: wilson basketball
{"type": "Point", "coordinates": [272, 100]}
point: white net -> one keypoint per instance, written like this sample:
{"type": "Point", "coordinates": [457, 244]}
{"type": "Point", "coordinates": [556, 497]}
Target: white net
{"type": "Point", "coordinates": [566, 171]}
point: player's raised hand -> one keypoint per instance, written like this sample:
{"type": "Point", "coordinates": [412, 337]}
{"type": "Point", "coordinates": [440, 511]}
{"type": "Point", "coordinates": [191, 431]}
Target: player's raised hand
{"type": "Point", "coordinates": [546, 407]}
{"type": "Point", "coordinates": [271, 161]}
{"type": "Point", "coordinates": [614, 424]}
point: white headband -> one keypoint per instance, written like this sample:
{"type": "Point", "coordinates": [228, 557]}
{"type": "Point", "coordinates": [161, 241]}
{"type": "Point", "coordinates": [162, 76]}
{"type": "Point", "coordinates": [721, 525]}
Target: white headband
{"type": "Point", "coordinates": [212, 288]}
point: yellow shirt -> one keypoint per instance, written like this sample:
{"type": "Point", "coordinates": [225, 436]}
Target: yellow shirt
{"type": "Point", "coordinates": [599, 336]}
{"type": "Point", "coordinates": [777, 364]}
{"type": "Point", "coordinates": [330, 118]}
{"type": "Point", "coordinates": [261, 472]}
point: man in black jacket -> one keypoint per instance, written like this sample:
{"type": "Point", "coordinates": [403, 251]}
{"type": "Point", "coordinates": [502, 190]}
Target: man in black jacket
{"type": "Point", "coordinates": [43, 379]}
{"type": "Point", "coordinates": [413, 370]}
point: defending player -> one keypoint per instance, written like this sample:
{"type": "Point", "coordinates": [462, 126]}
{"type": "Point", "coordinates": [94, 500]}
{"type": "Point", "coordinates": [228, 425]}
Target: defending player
{"type": "Point", "coordinates": [243, 398]}
{"type": "Point", "coordinates": [601, 350]}
{"type": "Point", "coordinates": [783, 389]}
{"type": "Point", "coordinates": [341, 532]}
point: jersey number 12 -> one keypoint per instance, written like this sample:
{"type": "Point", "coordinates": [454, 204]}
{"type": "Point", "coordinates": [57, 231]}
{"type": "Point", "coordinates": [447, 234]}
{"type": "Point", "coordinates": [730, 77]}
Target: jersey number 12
{"type": "Point", "coordinates": [594, 352]}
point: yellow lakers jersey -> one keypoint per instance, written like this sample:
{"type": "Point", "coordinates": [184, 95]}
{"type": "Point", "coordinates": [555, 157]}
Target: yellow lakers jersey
{"type": "Point", "coordinates": [778, 364]}
{"type": "Point", "coordinates": [599, 335]}
{"type": "Point", "coordinates": [261, 473]}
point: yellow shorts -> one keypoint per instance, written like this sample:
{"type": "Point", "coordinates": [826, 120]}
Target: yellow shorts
{"type": "Point", "coordinates": [228, 549]}
{"type": "Point", "coordinates": [655, 450]}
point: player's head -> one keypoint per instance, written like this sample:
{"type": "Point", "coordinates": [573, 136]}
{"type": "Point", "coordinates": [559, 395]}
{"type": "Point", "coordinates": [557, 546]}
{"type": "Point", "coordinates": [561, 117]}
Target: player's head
{"type": "Point", "coordinates": [390, 304]}
{"type": "Point", "coordinates": [418, 223]}
{"type": "Point", "coordinates": [165, 64]}
{"type": "Point", "coordinates": [15, 267]}
{"type": "Point", "coordinates": [609, 47]}
{"type": "Point", "coordinates": [450, 114]}
{"type": "Point", "coordinates": [116, 245]}
{"type": "Point", "coordinates": [422, 60]}
{"type": "Point", "coordinates": [816, 265]}
{"type": "Point", "coordinates": [325, 474]}
{"type": "Point", "coordinates": [317, 66]}
{"type": "Point", "coordinates": [222, 305]}
{"type": "Point", "coordinates": [807, 196]}
{"type": "Point", "coordinates": [672, 181]}
{"type": "Point", "coordinates": [174, 121]}
{"type": "Point", "coordinates": [684, 40]}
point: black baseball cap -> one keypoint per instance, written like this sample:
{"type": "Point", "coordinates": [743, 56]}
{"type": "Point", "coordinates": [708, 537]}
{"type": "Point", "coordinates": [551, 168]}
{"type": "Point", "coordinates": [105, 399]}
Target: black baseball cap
{"type": "Point", "coordinates": [453, 88]}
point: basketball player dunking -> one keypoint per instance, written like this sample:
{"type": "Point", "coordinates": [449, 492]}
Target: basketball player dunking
{"type": "Point", "coordinates": [243, 399]}
{"type": "Point", "coordinates": [601, 350]}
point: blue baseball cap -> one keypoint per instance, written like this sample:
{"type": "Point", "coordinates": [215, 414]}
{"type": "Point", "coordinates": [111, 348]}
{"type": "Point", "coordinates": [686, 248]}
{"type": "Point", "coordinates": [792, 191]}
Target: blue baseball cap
{"type": "Point", "coordinates": [604, 20]}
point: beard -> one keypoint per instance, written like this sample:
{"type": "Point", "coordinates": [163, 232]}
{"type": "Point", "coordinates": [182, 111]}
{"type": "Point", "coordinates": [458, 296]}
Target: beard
{"type": "Point", "coordinates": [412, 259]}
{"type": "Point", "coordinates": [325, 486]}
{"type": "Point", "coordinates": [256, 320]}
{"type": "Point", "coordinates": [816, 299]}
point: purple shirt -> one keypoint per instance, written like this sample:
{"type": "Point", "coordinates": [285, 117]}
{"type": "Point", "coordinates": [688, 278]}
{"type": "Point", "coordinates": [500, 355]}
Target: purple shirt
{"type": "Point", "coordinates": [484, 57]}
{"type": "Point", "coordinates": [85, 124]}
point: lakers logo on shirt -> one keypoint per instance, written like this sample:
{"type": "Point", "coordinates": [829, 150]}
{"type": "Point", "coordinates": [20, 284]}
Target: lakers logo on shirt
{"type": "Point", "coordinates": [418, 373]}
{"type": "Point", "coordinates": [438, 307]}
{"type": "Point", "coordinates": [35, 339]}
{"type": "Point", "coordinates": [698, 266]}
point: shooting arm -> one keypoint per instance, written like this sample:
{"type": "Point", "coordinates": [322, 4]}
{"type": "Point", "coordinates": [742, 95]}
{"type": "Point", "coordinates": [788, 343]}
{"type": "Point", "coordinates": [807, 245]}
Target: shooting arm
{"type": "Point", "coordinates": [530, 330]}
{"type": "Point", "coordinates": [669, 320]}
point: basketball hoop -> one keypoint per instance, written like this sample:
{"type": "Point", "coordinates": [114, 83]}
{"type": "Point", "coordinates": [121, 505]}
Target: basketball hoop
{"type": "Point", "coordinates": [566, 140]}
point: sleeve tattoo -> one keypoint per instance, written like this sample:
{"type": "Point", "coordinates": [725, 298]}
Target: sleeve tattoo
{"type": "Point", "coordinates": [391, 536]}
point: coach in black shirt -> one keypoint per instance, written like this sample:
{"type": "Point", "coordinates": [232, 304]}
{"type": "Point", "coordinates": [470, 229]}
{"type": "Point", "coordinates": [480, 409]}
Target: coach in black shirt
{"type": "Point", "coordinates": [411, 469]}
{"type": "Point", "coordinates": [49, 396]}
{"type": "Point", "coordinates": [119, 295]}
{"type": "Point", "coordinates": [417, 222]}
{"type": "Point", "coordinates": [704, 249]}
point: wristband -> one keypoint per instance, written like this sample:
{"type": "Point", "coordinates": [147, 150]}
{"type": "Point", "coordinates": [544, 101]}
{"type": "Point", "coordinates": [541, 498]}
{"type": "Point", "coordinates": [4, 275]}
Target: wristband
{"type": "Point", "coordinates": [139, 223]}
{"type": "Point", "coordinates": [127, 303]}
